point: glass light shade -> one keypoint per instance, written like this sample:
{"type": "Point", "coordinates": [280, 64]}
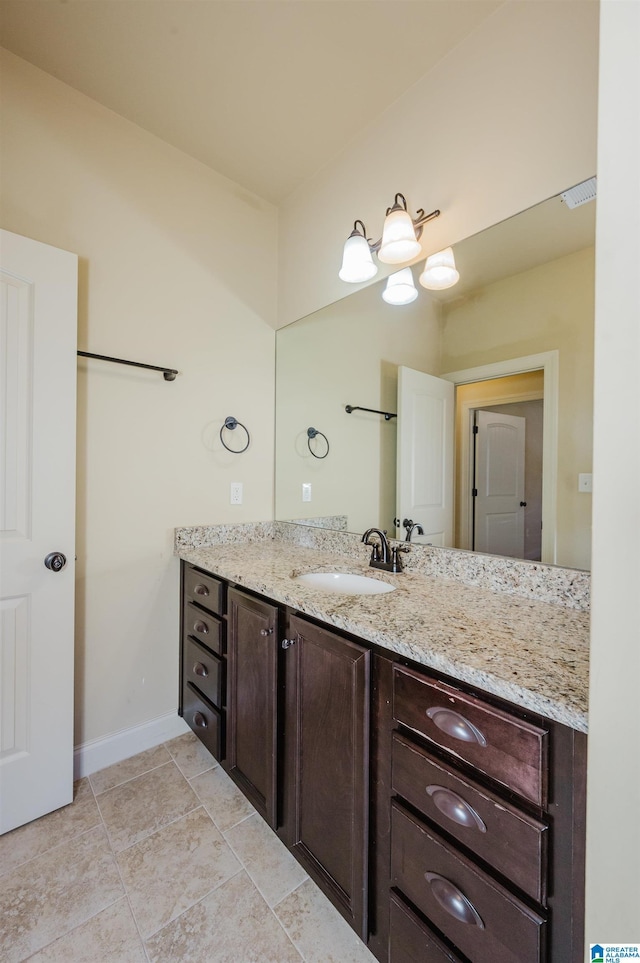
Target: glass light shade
{"type": "Point", "coordinates": [357, 263]}
{"type": "Point", "coordinates": [400, 288]}
{"type": "Point", "coordinates": [399, 242]}
{"type": "Point", "coordinates": [439, 271]}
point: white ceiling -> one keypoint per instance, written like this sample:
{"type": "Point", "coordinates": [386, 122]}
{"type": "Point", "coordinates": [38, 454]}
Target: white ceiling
{"type": "Point", "coordinates": [266, 92]}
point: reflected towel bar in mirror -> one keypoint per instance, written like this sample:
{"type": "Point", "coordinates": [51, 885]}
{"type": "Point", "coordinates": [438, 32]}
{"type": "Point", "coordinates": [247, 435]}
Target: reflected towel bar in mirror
{"type": "Point", "coordinates": [388, 415]}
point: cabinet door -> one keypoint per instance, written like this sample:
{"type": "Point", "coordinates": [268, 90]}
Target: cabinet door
{"type": "Point", "coordinates": [252, 657]}
{"type": "Point", "coordinates": [328, 743]}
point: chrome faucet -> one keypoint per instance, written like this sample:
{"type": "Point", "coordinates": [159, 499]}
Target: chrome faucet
{"type": "Point", "coordinates": [380, 551]}
{"type": "Point", "coordinates": [411, 527]}
{"type": "Point", "coordinates": [382, 555]}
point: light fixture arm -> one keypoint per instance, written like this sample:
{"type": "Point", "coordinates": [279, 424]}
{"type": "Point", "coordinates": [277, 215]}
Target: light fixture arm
{"type": "Point", "coordinates": [399, 243]}
{"type": "Point", "coordinates": [418, 222]}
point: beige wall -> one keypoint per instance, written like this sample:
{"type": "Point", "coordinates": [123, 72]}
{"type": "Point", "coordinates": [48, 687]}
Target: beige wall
{"type": "Point", "coordinates": [347, 353]}
{"type": "Point", "coordinates": [613, 803]}
{"type": "Point", "coordinates": [164, 245]}
{"type": "Point", "coordinates": [506, 120]}
{"type": "Point", "coordinates": [547, 308]}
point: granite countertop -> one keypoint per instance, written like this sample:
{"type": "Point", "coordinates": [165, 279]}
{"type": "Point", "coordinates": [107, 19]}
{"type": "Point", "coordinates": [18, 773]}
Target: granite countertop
{"type": "Point", "coordinates": [531, 653]}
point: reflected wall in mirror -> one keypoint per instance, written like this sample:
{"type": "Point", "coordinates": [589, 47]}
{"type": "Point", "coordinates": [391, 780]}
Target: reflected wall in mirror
{"type": "Point", "coordinates": [526, 289]}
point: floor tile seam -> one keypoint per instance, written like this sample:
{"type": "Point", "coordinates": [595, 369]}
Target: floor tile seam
{"type": "Point", "coordinates": [45, 852]}
{"type": "Point", "coordinates": [247, 867]}
{"type": "Point", "coordinates": [214, 764]}
{"type": "Point", "coordinates": [142, 839]}
{"type": "Point", "coordinates": [295, 888]}
{"type": "Point", "coordinates": [129, 904]}
{"type": "Point", "coordinates": [292, 890]}
{"type": "Point", "coordinates": [195, 774]}
{"type": "Point", "coordinates": [241, 869]}
{"type": "Point", "coordinates": [138, 775]}
{"type": "Point", "coordinates": [235, 825]}
{"type": "Point", "coordinates": [67, 839]}
{"type": "Point", "coordinates": [283, 927]}
{"type": "Point", "coordinates": [76, 926]}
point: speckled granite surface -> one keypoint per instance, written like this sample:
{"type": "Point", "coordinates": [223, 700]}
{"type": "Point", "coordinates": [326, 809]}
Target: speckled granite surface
{"type": "Point", "coordinates": [532, 653]}
{"type": "Point", "coordinates": [531, 580]}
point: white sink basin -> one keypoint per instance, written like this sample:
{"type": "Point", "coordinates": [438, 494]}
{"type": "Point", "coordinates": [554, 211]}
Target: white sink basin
{"type": "Point", "coordinates": [344, 584]}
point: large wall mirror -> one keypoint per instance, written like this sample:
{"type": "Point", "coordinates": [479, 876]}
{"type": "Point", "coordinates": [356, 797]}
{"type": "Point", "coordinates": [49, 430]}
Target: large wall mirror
{"type": "Point", "coordinates": [515, 336]}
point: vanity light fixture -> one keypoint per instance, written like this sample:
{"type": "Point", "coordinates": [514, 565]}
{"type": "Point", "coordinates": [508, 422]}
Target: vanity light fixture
{"type": "Point", "coordinates": [357, 263]}
{"type": "Point", "coordinates": [400, 288]}
{"type": "Point", "coordinates": [398, 244]}
{"type": "Point", "coordinates": [439, 271]}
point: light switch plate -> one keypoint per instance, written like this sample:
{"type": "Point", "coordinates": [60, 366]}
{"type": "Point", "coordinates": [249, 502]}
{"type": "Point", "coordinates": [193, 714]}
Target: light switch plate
{"type": "Point", "coordinates": [306, 491]}
{"type": "Point", "coordinates": [585, 482]}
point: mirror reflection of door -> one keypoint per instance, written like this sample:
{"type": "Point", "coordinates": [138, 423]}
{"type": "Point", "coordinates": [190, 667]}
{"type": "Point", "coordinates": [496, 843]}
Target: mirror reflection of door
{"type": "Point", "coordinates": [426, 412]}
{"type": "Point", "coordinates": [498, 492]}
{"type": "Point", "coordinates": [507, 485]}
{"type": "Point", "coordinates": [518, 395]}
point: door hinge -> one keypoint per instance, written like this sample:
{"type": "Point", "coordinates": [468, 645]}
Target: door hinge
{"type": "Point", "coordinates": [475, 430]}
{"type": "Point", "coordinates": [474, 492]}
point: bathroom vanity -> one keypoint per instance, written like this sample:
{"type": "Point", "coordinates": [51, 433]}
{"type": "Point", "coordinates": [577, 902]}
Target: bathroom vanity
{"type": "Point", "coordinates": [444, 820]}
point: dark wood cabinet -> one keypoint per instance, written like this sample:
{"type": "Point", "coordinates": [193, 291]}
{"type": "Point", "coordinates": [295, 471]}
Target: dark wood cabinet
{"type": "Point", "coordinates": [486, 841]}
{"type": "Point", "coordinates": [327, 763]}
{"type": "Point", "coordinates": [202, 663]}
{"type": "Point", "coordinates": [446, 825]}
{"type": "Point", "coordinates": [252, 716]}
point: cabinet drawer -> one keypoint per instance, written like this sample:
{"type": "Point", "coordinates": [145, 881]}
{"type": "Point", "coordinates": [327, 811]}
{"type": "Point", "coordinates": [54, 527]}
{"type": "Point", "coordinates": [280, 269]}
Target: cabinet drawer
{"type": "Point", "coordinates": [205, 671]}
{"type": "Point", "coordinates": [411, 941]}
{"type": "Point", "coordinates": [206, 722]}
{"type": "Point", "coordinates": [204, 589]}
{"type": "Point", "coordinates": [506, 748]}
{"type": "Point", "coordinates": [483, 919]}
{"type": "Point", "coordinates": [510, 841]}
{"type": "Point", "coordinates": [204, 627]}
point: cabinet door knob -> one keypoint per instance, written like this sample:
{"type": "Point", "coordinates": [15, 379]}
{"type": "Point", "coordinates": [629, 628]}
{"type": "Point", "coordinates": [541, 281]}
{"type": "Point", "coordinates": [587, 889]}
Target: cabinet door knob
{"type": "Point", "coordinates": [201, 670]}
{"type": "Point", "coordinates": [453, 901]}
{"type": "Point", "coordinates": [455, 725]}
{"type": "Point", "coordinates": [265, 632]}
{"type": "Point", "coordinates": [287, 643]}
{"type": "Point", "coordinates": [201, 589]}
{"type": "Point", "coordinates": [455, 808]}
{"type": "Point", "coordinates": [201, 627]}
{"type": "Point", "coordinates": [200, 720]}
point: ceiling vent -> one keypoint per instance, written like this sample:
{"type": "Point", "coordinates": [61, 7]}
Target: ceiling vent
{"type": "Point", "coordinates": [580, 194]}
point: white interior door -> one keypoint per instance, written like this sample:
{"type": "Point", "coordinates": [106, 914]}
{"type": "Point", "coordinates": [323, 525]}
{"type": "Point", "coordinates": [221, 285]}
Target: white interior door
{"type": "Point", "coordinates": [38, 337]}
{"type": "Point", "coordinates": [499, 482]}
{"type": "Point", "coordinates": [426, 411]}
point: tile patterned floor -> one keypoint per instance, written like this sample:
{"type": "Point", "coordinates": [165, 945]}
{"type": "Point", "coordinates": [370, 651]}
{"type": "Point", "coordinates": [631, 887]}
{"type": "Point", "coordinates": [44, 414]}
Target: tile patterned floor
{"type": "Point", "coordinates": [160, 859]}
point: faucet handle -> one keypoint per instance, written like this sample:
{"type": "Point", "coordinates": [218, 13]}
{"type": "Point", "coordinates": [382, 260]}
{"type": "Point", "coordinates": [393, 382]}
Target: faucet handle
{"type": "Point", "coordinates": [396, 561]}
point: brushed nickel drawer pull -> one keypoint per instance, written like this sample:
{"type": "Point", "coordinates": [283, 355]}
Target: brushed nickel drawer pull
{"type": "Point", "coordinates": [455, 725]}
{"type": "Point", "coordinates": [265, 632]}
{"type": "Point", "coordinates": [455, 808]}
{"type": "Point", "coordinates": [453, 901]}
{"type": "Point", "coordinates": [201, 589]}
{"type": "Point", "coordinates": [201, 670]}
{"type": "Point", "coordinates": [201, 627]}
{"type": "Point", "coordinates": [200, 720]}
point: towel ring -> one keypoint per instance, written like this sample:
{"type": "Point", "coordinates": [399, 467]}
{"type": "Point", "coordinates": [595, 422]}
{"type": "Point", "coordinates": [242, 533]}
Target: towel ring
{"type": "Point", "coordinates": [232, 424]}
{"type": "Point", "coordinates": [312, 433]}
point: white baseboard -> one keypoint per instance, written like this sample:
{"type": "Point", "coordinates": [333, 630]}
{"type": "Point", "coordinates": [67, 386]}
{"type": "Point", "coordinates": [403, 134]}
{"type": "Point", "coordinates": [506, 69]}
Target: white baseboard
{"type": "Point", "coordinates": [95, 755]}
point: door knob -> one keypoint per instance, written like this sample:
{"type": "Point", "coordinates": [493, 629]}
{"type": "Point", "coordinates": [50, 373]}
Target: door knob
{"type": "Point", "coordinates": [55, 561]}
